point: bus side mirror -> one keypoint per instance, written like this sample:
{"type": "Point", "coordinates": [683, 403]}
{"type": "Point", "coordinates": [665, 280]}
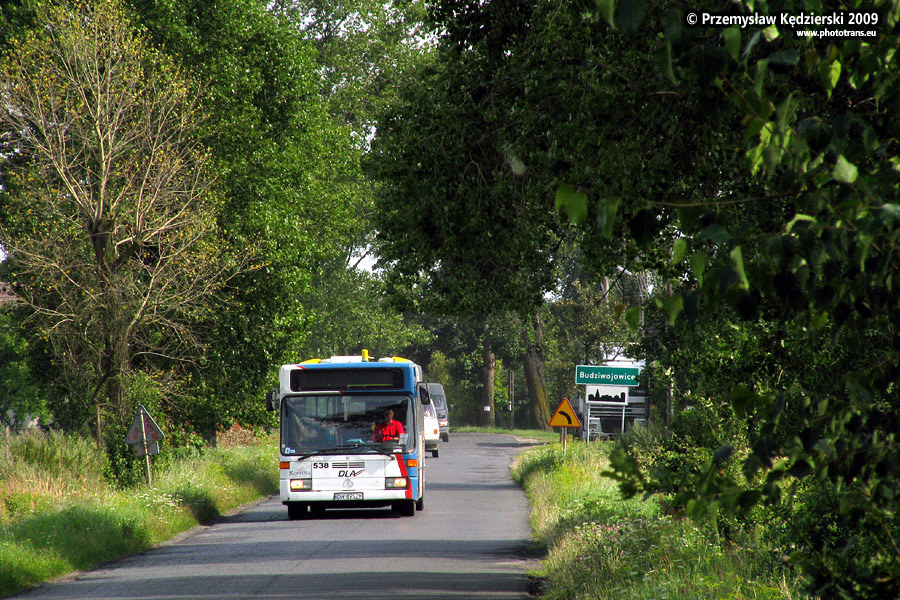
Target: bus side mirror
{"type": "Point", "coordinates": [424, 394]}
{"type": "Point", "coordinates": [272, 402]}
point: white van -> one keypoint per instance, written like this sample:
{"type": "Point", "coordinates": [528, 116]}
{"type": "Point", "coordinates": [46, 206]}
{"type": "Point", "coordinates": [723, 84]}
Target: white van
{"type": "Point", "coordinates": [436, 391]}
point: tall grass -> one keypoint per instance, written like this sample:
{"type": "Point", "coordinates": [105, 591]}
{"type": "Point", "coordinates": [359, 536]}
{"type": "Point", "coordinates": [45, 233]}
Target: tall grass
{"type": "Point", "coordinates": [38, 468]}
{"type": "Point", "coordinates": [59, 514]}
{"type": "Point", "coordinates": [601, 547]}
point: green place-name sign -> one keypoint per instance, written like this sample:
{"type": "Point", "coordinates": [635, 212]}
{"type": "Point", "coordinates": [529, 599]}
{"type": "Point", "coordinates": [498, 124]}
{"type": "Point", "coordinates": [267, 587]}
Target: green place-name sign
{"type": "Point", "coordinates": [606, 375]}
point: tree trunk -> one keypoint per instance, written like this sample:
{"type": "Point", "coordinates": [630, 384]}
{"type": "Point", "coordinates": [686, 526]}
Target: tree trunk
{"type": "Point", "coordinates": [114, 365]}
{"type": "Point", "coordinates": [487, 380]}
{"type": "Point", "coordinates": [115, 356]}
{"type": "Point", "coordinates": [533, 361]}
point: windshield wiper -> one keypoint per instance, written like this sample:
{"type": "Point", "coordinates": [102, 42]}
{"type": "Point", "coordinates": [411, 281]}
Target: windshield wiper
{"type": "Point", "coordinates": [369, 448]}
{"type": "Point", "coordinates": [316, 453]}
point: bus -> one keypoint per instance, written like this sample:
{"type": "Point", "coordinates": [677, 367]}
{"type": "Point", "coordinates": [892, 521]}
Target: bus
{"type": "Point", "coordinates": [330, 452]}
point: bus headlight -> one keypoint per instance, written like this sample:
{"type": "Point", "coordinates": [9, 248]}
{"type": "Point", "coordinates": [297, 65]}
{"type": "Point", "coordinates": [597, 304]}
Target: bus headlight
{"type": "Point", "coordinates": [395, 483]}
{"type": "Point", "coordinates": [301, 485]}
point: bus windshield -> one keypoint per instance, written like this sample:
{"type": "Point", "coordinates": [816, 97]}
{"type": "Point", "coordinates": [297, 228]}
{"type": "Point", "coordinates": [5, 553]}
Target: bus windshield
{"type": "Point", "coordinates": [337, 424]}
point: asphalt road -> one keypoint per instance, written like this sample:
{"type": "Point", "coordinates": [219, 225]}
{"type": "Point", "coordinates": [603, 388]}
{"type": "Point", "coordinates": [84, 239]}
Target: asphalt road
{"type": "Point", "coordinates": [470, 542]}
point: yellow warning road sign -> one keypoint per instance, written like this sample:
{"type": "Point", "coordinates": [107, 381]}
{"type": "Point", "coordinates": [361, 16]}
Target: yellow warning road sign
{"type": "Point", "coordinates": [565, 416]}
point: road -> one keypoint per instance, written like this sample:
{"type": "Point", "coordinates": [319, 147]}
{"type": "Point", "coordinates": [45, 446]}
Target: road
{"type": "Point", "coordinates": [470, 542]}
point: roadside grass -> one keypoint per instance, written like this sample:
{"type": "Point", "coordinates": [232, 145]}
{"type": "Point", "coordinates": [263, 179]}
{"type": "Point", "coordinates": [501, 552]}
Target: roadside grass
{"type": "Point", "coordinates": [602, 547]}
{"type": "Point", "coordinates": [532, 434]}
{"type": "Point", "coordinates": [59, 514]}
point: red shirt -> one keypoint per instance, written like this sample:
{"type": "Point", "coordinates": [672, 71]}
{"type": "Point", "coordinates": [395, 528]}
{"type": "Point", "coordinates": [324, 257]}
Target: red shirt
{"type": "Point", "coordinates": [387, 430]}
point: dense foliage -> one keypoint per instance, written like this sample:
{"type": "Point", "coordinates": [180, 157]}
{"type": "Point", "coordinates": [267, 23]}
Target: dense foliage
{"type": "Point", "coordinates": [461, 225]}
{"type": "Point", "coordinates": [22, 397]}
{"type": "Point", "coordinates": [361, 46]}
{"type": "Point", "coordinates": [282, 167]}
{"type": "Point", "coordinates": [109, 223]}
{"type": "Point", "coordinates": [754, 170]}
{"type": "Point", "coordinates": [293, 210]}
{"type": "Point", "coordinates": [808, 359]}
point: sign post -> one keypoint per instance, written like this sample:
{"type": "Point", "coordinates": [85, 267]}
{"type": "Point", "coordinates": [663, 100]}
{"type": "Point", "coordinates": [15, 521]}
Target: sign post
{"type": "Point", "coordinates": [144, 436]}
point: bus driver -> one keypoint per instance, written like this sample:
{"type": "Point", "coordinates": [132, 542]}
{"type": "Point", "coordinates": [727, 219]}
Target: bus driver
{"type": "Point", "coordinates": [388, 430]}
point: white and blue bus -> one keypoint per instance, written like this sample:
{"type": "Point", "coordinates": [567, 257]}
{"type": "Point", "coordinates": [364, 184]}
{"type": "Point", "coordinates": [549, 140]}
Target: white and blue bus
{"type": "Point", "coordinates": [331, 456]}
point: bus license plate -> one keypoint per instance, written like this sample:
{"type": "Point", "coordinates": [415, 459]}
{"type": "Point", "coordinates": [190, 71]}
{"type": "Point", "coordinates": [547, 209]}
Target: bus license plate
{"type": "Point", "coordinates": [348, 496]}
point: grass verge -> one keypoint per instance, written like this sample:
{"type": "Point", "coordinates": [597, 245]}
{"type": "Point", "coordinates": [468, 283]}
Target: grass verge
{"type": "Point", "coordinates": [601, 547]}
{"type": "Point", "coordinates": [531, 434]}
{"type": "Point", "coordinates": [58, 514]}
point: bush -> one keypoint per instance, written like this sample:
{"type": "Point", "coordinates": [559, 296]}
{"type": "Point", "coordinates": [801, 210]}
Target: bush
{"type": "Point", "coordinates": [602, 547]}
{"type": "Point", "coordinates": [821, 538]}
{"type": "Point", "coordinates": [21, 396]}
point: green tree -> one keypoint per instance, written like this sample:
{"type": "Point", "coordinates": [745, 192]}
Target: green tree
{"type": "Point", "coordinates": [458, 228]}
{"type": "Point", "coordinates": [441, 369]}
{"type": "Point", "coordinates": [462, 225]}
{"type": "Point", "coordinates": [289, 177]}
{"type": "Point", "coordinates": [804, 237]}
{"type": "Point", "coordinates": [362, 47]}
{"type": "Point", "coordinates": [586, 326]}
{"type": "Point", "coordinates": [755, 171]}
{"type": "Point", "coordinates": [353, 316]}
{"type": "Point", "coordinates": [533, 367]}
{"type": "Point", "coordinates": [16, 17]}
{"type": "Point", "coordinates": [111, 232]}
